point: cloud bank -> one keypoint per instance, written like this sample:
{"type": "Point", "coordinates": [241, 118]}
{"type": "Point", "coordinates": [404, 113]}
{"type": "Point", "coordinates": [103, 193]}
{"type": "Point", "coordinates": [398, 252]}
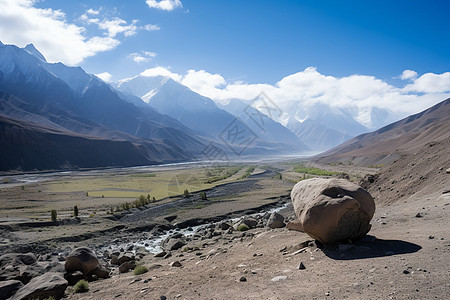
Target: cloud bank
{"type": "Point", "coordinates": [167, 5]}
{"type": "Point", "coordinates": [360, 94]}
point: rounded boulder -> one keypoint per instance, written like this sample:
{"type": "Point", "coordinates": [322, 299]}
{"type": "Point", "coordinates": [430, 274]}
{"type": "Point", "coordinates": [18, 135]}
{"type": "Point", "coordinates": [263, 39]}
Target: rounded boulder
{"type": "Point", "coordinates": [332, 210]}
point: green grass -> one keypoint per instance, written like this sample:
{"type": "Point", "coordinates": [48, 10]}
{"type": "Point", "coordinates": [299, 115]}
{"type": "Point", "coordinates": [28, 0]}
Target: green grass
{"type": "Point", "coordinates": [140, 270]}
{"type": "Point", "coordinates": [247, 173]}
{"type": "Point", "coordinates": [221, 173]}
{"type": "Point", "coordinates": [243, 227]}
{"type": "Point", "coordinates": [376, 166]}
{"type": "Point", "coordinates": [81, 286]}
{"type": "Point", "coordinates": [144, 175]}
{"type": "Point", "coordinates": [300, 168]}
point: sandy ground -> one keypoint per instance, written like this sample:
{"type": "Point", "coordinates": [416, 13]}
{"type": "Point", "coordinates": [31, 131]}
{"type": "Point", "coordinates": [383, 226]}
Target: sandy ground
{"type": "Point", "coordinates": [404, 257]}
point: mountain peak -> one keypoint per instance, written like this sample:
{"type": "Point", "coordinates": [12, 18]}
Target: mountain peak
{"type": "Point", "coordinates": [33, 51]}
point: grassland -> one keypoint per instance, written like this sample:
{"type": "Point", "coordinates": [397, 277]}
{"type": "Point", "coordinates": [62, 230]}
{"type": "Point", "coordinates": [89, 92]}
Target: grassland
{"type": "Point", "coordinates": [301, 168]}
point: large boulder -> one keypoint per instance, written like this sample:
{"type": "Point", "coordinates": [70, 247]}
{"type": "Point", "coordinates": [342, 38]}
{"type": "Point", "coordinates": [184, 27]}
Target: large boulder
{"type": "Point", "coordinates": [81, 259]}
{"type": "Point", "coordinates": [8, 288]}
{"type": "Point", "coordinates": [332, 210]}
{"type": "Point", "coordinates": [48, 285]}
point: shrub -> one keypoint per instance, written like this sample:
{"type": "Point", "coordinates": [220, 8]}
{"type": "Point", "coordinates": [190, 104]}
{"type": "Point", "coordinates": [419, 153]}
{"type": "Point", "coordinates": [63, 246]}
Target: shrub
{"type": "Point", "coordinates": [154, 199]}
{"type": "Point", "coordinates": [81, 286]}
{"type": "Point", "coordinates": [203, 196]}
{"type": "Point", "coordinates": [186, 193]}
{"type": "Point", "coordinates": [243, 227]}
{"type": "Point", "coordinates": [140, 270]}
{"type": "Point", "coordinates": [75, 211]}
{"type": "Point", "coordinates": [53, 215]}
{"type": "Point", "coordinates": [22, 187]}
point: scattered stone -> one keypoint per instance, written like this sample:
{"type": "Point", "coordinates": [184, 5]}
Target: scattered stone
{"type": "Point", "coordinates": [74, 277]}
{"type": "Point", "coordinates": [9, 287]}
{"type": "Point", "coordinates": [48, 285]}
{"type": "Point", "coordinates": [275, 221]}
{"type": "Point", "coordinates": [121, 258]}
{"type": "Point", "coordinates": [278, 278]}
{"type": "Point", "coordinates": [431, 237]}
{"type": "Point", "coordinates": [405, 272]}
{"type": "Point", "coordinates": [224, 226]}
{"type": "Point", "coordinates": [162, 298]}
{"type": "Point", "coordinates": [15, 259]}
{"type": "Point", "coordinates": [418, 215]}
{"type": "Point", "coordinates": [332, 210]}
{"type": "Point", "coordinates": [81, 259]}
{"type": "Point", "coordinates": [243, 279]}
{"type": "Point", "coordinates": [301, 266]}
{"type": "Point", "coordinates": [126, 266]}
{"type": "Point", "coordinates": [447, 171]}
{"type": "Point", "coordinates": [100, 272]}
{"type": "Point", "coordinates": [174, 244]}
{"type": "Point", "coordinates": [250, 222]}
{"type": "Point", "coordinates": [327, 294]}
{"type": "Point", "coordinates": [161, 254]}
{"type": "Point", "coordinates": [176, 264]}
{"type": "Point", "coordinates": [283, 249]}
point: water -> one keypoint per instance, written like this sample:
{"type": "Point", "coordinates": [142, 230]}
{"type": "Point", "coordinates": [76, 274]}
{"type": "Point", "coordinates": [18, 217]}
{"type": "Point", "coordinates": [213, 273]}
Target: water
{"type": "Point", "coordinates": [153, 244]}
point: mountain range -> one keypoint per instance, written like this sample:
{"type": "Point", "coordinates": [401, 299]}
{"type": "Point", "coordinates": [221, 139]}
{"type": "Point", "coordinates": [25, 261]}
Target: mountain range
{"type": "Point", "coordinates": [405, 136]}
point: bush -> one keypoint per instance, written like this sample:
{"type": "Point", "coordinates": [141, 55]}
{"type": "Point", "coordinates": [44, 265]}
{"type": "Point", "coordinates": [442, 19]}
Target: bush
{"type": "Point", "coordinates": [186, 193]}
{"type": "Point", "coordinates": [203, 196]}
{"type": "Point", "coordinates": [53, 215]}
{"type": "Point", "coordinates": [75, 211]}
{"type": "Point", "coordinates": [140, 270]}
{"type": "Point", "coordinates": [243, 227]}
{"type": "Point", "coordinates": [81, 286]}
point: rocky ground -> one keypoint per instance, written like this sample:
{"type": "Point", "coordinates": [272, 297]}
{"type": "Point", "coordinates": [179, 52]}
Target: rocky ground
{"type": "Point", "coordinates": [404, 256]}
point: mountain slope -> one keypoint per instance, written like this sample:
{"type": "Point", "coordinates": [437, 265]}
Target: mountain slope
{"type": "Point", "coordinates": [26, 146]}
{"type": "Point", "coordinates": [202, 115]}
{"type": "Point", "coordinates": [403, 136]}
{"type": "Point", "coordinates": [67, 98]}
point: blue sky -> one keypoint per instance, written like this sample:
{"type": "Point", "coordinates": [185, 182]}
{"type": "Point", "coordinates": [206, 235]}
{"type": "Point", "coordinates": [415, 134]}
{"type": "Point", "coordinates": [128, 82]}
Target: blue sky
{"type": "Point", "coordinates": [392, 55]}
{"type": "Point", "coordinates": [263, 41]}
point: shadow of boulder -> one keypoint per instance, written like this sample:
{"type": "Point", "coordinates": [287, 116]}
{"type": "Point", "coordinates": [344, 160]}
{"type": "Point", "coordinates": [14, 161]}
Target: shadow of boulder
{"type": "Point", "coordinates": [369, 247]}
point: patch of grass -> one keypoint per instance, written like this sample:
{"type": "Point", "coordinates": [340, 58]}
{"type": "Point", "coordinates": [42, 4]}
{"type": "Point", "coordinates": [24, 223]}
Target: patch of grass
{"type": "Point", "coordinates": [300, 168]}
{"type": "Point", "coordinates": [53, 215]}
{"type": "Point", "coordinates": [221, 173]}
{"type": "Point", "coordinates": [81, 286]}
{"type": "Point", "coordinates": [140, 270]}
{"type": "Point", "coordinates": [376, 166]}
{"type": "Point", "coordinates": [247, 173]}
{"type": "Point", "coordinates": [242, 227]}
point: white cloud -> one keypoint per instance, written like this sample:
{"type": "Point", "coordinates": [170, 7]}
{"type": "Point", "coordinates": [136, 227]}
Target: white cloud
{"type": "Point", "coordinates": [431, 83]}
{"type": "Point", "coordinates": [92, 11]}
{"type": "Point", "coordinates": [105, 76]}
{"type": "Point", "coordinates": [150, 27]}
{"type": "Point", "coordinates": [164, 4]}
{"type": "Point", "coordinates": [359, 94]}
{"type": "Point", "coordinates": [160, 71]}
{"type": "Point", "coordinates": [48, 29]}
{"type": "Point", "coordinates": [117, 25]}
{"type": "Point", "coordinates": [144, 56]}
{"type": "Point", "coordinates": [408, 74]}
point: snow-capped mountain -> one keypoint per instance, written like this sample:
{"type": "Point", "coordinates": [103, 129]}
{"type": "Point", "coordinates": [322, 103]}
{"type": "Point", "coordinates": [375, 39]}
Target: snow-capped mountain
{"type": "Point", "coordinates": [72, 101]}
{"type": "Point", "coordinates": [202, 115]}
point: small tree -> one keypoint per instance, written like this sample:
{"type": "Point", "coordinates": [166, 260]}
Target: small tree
{"type": "Point", "coordinates": [186, 193]}
{"type": "Point", "coordinates": [203, 196]}
{"type": "Point", "coordinates": [53, 215]}
{"type": "Point", "coordinates": [75, 211]}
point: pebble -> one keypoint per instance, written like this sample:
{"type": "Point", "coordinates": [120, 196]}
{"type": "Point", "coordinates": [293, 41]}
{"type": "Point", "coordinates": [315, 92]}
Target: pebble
{"type": "Point", "coordinates": [278, 278]}
{"type": "Point", "coordinates": [405, 272]}
{"type": "Point", "coordinates": [327, 294]}
{"type": "Point", "coordinates": [162, 298]}
{"type": "Point", "coordinates": [301, 266]}
{"type": "Point", "coordinates": [243, 279]}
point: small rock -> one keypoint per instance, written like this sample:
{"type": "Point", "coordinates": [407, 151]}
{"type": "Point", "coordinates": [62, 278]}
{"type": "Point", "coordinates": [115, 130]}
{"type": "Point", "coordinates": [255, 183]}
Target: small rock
{"type": "Point", "coordinates": [174, 244]}
{"type": "Point", "coordinates": [176, 264]}
{"type": "Point", "coordinates": [327, 294]}
{"type": "Point", "coordinates": [405, 272]}
{"type": "Point", "coordinates": [447, 171]}
{"type": "Point", "coordinates": [128, 265]}
{"type": "Point", "coordinates": [161, 254]}
{"type": "Point", "coordinates": [431, 237]}
{"type": "Point", "coordinates": [301, 266]}
{"type": "Point", "coordinates": [278, 278]}
{"type": "Point", "coordinates": [243, 279]}
{"type": "Point", "coordinates": [81, 259]}
{"type": "Point", "coordinates": [50, 284]}
{"type": "Point", "coordinates": [418, 215]}
{"type": "Point", "coordinates": [276, 221]}
{"type": "Point", "coordinates": [9, 287]}
{"type": "Point", "coordinates": [162, 298]}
